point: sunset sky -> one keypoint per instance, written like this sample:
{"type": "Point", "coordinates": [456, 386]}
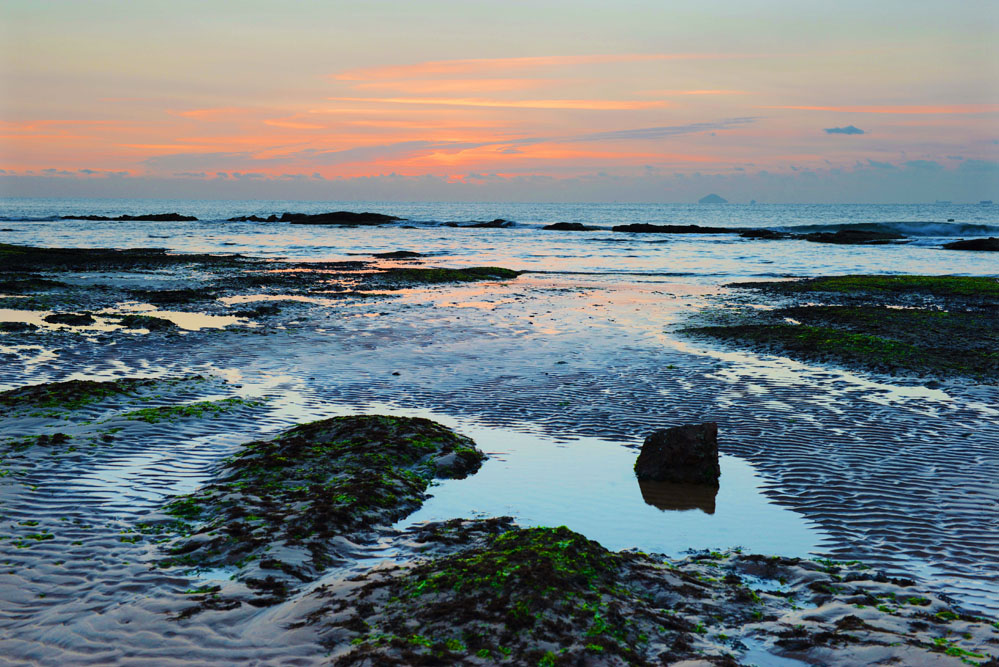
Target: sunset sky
{"type": "Point", "coordinates": [891, 101]}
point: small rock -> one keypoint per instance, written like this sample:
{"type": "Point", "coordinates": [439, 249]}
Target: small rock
{"type": "Point", "coordinates": [72, 319]}
{"type": "Point", "coordinates": [687, 453]}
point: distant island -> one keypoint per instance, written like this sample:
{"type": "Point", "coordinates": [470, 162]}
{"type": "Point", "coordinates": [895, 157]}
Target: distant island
{"type": "Point", "coordinates": [712, 199]}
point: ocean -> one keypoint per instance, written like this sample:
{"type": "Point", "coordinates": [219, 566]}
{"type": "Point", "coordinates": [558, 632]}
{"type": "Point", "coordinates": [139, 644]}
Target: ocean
{"type": "Point", "coordinates": [698, 258]}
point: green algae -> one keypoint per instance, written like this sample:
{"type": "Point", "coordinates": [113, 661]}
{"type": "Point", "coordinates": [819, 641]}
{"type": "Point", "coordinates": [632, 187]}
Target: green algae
{"type": "Point", "coordinates": [897, 284]}
{"type": "Point", "coordinates": [197, 410]}
{"type": "Point", "coordinates": [71, 394]}
{"type": "Point", "coordinates": [869, 322]}
{"type": "Point", "coordinates": [308, 486]}
{"type": "Point", "coordinates": [440, 275]}
{"type": "Point", "coordinates": [512, 597]}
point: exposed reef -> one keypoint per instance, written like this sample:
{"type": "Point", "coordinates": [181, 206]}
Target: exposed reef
{"type": "Point", "coordinates": [990, 244]}
{"type": "Point", "coordinates": [279, 509]}
{"type": "Point", "coordinates": [498, 223]}
{"type": "Point", "coordinates": [645, 228]}
{"type": "Point", "coordinates": [332, 218]}
{"type": "Point", "coordinates": [852, 237]}
{"type": "Point", "coordinates": [147, 217]}
{"type": "Point", "coordinates": [29, 258]}
{"type": "Point", "coordinates": [491, 592]}
{"type": "Point", "coordinates": [930, 325]}
{"type": "Point", "coordinates": [571, 227]}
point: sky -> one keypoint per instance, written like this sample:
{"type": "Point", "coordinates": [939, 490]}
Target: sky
{"type": "Point", "coordinates": [634, 100]}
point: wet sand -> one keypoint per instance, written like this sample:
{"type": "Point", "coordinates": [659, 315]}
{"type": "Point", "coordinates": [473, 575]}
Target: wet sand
{"type": "Point", "coordinates": [860, 466]}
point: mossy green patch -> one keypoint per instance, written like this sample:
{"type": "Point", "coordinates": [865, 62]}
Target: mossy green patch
{"type": "Point", "coordinates": [310, 485]}
{"type": "Point", "coordinates": [898, 284]}
{"type": "Point", "coordinates": [198, 410]}
{"type": "Point", "coordinates": [70, 394]}
{"type": "Point", "coordinates": [439, 275]}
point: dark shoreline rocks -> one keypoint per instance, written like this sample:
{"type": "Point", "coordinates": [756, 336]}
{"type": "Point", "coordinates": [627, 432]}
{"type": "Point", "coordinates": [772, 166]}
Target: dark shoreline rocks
{"type": "Point", "coordinates": [498, 223]}
{"type": "Point", "coordinates": [685, 454]}
{"type": "Point", "coordinates": [571, 227]}
{"type": "Point", "coordinates": [331, 218]}
{"type": "Point", "coordinates": [853, 237]}
{"type": "Point", "coordinates": [646, 228]}
{"type": "Point", "coordinates": [145, 217]}
{"type": "Point", "coordinates": [990, 244]}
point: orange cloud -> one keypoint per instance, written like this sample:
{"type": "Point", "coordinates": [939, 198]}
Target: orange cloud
{"type": "Point", "coordinates": [901, 109]}
{"type": "Point", "coordinates": [424, 86]}
{"type": "Point", "coordinates": [215, 114]}
{"type": "Point", "coordinates": [293, 124]}
{"type": "Point", "coordinates": [695, 92]}
{"type": "Point", "coordinates": [590, 105]}
{"type": "Point", "coordinates": [471, 66]}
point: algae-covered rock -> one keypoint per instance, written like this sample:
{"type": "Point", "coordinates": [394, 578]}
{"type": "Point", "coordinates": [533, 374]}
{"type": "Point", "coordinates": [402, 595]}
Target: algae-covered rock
{"type": "Point", "coordinates": [281, 504]}
{"type": "Point", "coordinates": [70, 319]}
{"type": "Point", "coordinates": [490, 592]}
{"type": "Point", "coordinates": [71, 393]}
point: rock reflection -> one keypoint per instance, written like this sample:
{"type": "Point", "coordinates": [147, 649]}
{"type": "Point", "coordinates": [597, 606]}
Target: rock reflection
{"type": "Point", "coordinates": [679, 496]}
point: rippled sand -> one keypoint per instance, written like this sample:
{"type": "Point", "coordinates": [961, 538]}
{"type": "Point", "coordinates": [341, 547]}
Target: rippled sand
{"type": "Point", "coordinates": [878, 469]}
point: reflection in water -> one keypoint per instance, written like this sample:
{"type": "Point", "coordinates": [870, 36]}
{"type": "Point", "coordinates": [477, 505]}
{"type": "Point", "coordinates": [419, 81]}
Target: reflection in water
{"type": "Point", "coordinates": [679, 496]}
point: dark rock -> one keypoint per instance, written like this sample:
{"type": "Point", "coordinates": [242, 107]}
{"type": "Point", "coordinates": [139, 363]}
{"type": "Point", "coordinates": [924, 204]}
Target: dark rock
{"type": "Point", "coordinates": [258, 311]}
{"type": "Point", "coordinates": [397, 254]}
{"type": "Point", "coordinates": [72, 319]}
{"type": "Point", "coordinates": [712, 199]}
{"type": "Point", "coordinates": [148, 217]}
{"type": "Point", "coordinates": [764, 234]}
{"type": "Point", "coordinates": [332, 218]}
{"type": "Point", "coordinates": [17, 327]}
{"type": "Point", "coordinates": [645, 228]}
{"type": "Point", "coordinates": [989, 244]}
{"type": "Point", "coordinates": [570, 227]}
{"type": "Point", "coordinates": [687, 453]}
{"type": "Point", "coordinates": [146, 322]}
{"type": "Point", "coordinates": [498, 223]}
{"type": "Point", "coordinates": [853, 237]}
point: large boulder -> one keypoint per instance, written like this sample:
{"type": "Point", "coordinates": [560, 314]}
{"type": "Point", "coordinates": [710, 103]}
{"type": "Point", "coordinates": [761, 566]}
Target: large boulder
{"type": "Point", "coordinates": [687, 453]}
{"type": "Point", "coordinates": [989, 244]}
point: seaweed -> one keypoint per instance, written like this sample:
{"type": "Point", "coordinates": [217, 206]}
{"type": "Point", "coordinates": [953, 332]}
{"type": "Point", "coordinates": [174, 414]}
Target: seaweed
{"type": "Point", "coordinates": [309, 485]}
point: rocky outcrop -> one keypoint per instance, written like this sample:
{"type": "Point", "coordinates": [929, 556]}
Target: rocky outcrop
{"type": "Point", "coordinates": [71, 319]}
{"type": "Point", "coordinates": [853, 237]}
{"type": "Point", "coordinates": [498, 223]}
{"type": "Point", "coordinates": [645, 228]}
{"type": "Point", "coordinates": [147, 217]}
{"type": "Point", "coordinates": [687, 453]}
{"type": "Point", "coordinates": [397, 254]}
{"type": "Point", "coordinates": [332, 218]}
{"type": "Point", "coordinates": [765, 234]}
{"type": "Point", "coordinates": [989, 244]}
{"type": "Point", "coordinates": [570, 227]}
